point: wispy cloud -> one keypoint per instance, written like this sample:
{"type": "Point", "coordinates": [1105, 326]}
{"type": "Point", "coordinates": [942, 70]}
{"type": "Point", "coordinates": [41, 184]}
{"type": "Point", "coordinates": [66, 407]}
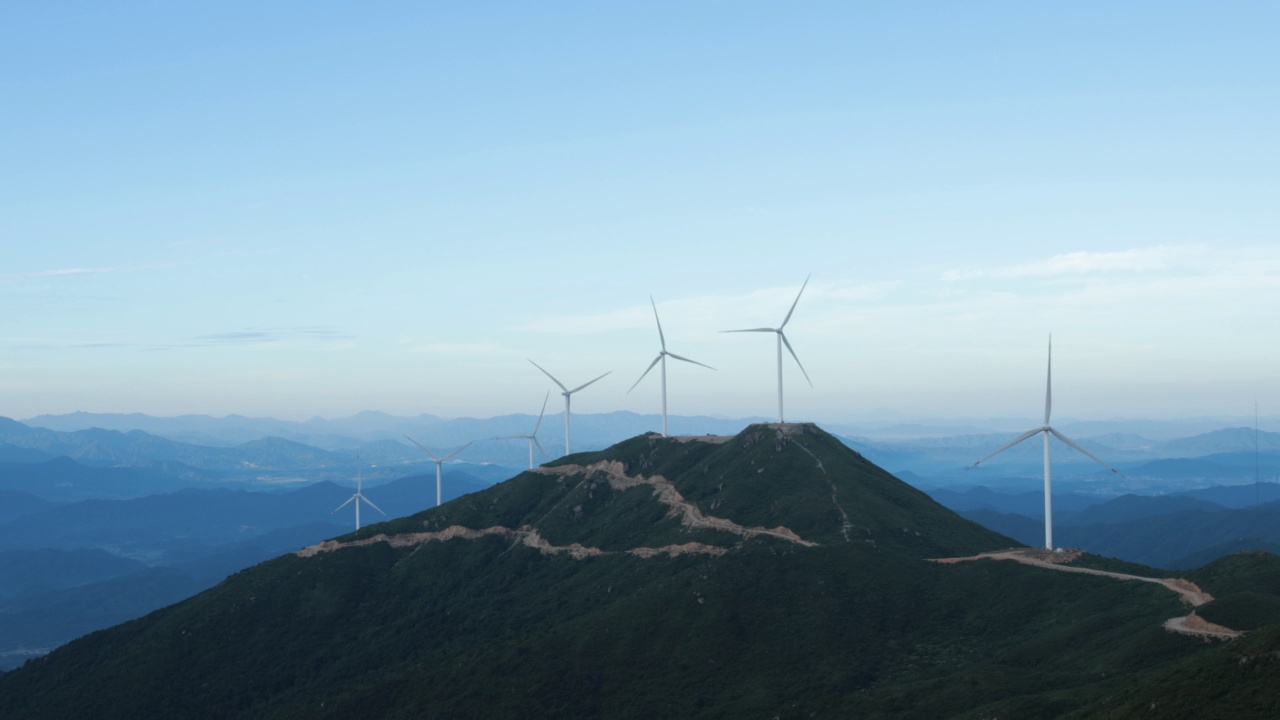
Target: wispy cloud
{"type": "Point", "coordinates": [484, 349]}
{"type": "Point", "coordinates": [261, 336]}
{"type": "Point", "coordinates": [337, 339]}
{"type": "Point", "coordinates": [1079, 263]}
{"type": "Point", "coordinates": [712, 313]}
{"type": "Point", "coordinates": [68, 272]}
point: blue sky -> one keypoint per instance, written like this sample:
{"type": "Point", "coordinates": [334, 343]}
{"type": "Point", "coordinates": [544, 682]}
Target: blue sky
{"type": "Point", "coordinates": [318, 208]}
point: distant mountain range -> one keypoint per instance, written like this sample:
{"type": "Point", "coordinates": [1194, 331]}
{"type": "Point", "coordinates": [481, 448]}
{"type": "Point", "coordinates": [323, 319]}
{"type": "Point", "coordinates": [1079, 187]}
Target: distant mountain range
{"type": "Point", "coordinates": [67, 568]}
{"type": "Point", "coordinates": [201, 497]}
{"type": "Point", "coordinates": [776, 573]}
{"type": "Point", "coordinates": [266, 448]}
{"type": "Point", "coordinates": [1171, 531]}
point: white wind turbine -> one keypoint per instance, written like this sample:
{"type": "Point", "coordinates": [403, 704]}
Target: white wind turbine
{"type": "Point", "coordinates": [782, 340]}
{"type": "Point", "coordinates": [533, 436]}
{"type": "Point", "coordinates": [439, 461]}
{"type": "Point", "coordinates": [358, 497]}
{"type": "Point", "coordinates": [566, 392]}
{"type": "Point", "coordinates": [1048, 430]}
{"type": "Point", "coordinates": [662, 358]}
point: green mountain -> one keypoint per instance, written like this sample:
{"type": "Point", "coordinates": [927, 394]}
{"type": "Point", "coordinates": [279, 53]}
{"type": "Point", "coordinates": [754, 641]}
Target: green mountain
{"type": "Point", "coordinates": [773, 573]}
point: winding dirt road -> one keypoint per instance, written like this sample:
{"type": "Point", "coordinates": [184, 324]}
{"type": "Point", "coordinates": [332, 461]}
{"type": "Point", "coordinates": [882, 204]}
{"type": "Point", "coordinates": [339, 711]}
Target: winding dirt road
{"type": "Point", "coordinates": [1191, 594]}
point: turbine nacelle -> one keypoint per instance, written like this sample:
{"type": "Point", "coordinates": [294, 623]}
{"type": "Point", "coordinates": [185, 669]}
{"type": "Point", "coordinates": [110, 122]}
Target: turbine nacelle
{"type": "Point", "coordinates": [567, 393]}
{"type": "Point", "coordinates": [1048, 430]}
{"type": "Point", "coordinates": [358, 498]}
{"type": "Point", "coordinates": [663, 354]}
{"type": "Point", "coordinates": [439, 461]}
{"type": "Point", "coordinates": [782, 340]}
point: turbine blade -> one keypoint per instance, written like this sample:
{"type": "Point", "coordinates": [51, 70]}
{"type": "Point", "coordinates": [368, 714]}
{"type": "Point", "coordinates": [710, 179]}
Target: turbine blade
{"type": "Point", "coordinates": [1048, 384]}
{"type": "Point", "coordinates": [369, 502]}
{"type": "Point", "coordinates": [793, 305]}
{"type": "Point", "coordinates": [753, 330]}
{"type": "Point", "coordinates": [1009, 444]}
{"type": "Point", "coordinates": [695, 362]}
{"type": "Point", "coordinates": [585, 384]}
{"type": "Point", "coordinates": [348, 502]}
{"type": "Point", "coordinates": [455, 452]}
{"type": "Point", "coordinates": [415, 442]}
{"type": "Point", "coordinates": [541, 412]}
{"type": "Point", "coordinates": [540, 448]}
{"type": "Point", "coordinates": [793, 354]}
{"type": "Point", "coordinates": [553, 377]}
{"type": "Point", "coordinates": [661, 337]}
{"type": "Point", "coordinates": [646, 372]}
{"type": "Point", "coordinates": [1073, 444]}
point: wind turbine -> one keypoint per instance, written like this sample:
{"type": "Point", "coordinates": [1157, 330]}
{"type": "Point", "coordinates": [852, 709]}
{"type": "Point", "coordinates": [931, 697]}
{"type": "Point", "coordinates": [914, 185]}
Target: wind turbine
{"type": "Point", "coordinates": [358, 498]}
{"type": "Point", "coordinates": [566, 392]}
{"type": "Point", "coordinates": [662, 358]}
{"type": "Point", "coordinates": [782, 340]}
{"type": "Point", "coordinates": [1048, 430]}
{"type": "Point", "coordinates": [439, 461]}
{"type": "Point", "coordinates": [533, 436]}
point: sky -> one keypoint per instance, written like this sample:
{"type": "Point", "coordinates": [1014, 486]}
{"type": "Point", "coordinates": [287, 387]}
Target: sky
{"type": "Point", "coordinates": [299, 209]}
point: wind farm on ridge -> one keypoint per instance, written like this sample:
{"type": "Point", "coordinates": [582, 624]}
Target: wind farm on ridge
{"type": "Point", "coordinates": [781, 341]}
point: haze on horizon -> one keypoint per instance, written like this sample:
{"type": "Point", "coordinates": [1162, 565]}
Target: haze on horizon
{"type": "Point", "coordinates": [309, 209]}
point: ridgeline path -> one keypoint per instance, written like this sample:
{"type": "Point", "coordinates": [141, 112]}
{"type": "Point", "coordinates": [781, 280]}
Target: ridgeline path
{"type": "Point", "coordinates": [1191, 594]}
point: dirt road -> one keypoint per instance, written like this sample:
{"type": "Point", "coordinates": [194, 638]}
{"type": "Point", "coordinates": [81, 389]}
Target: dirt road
{"type": "Point", "coordinates": [1191, 594]}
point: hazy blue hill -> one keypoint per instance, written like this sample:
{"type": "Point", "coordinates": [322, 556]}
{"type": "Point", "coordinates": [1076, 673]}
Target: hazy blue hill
{"type": "Point", "coordinates": [1163, 540]}
{"type": "Point", "coordinates": [63, 479]}
{"type": "Point", "coordinates": [1201, 558]}
{"type": "Point", "coordinates": [1226, 440]}
{"type": "Point", "coordinates": [210, 566]}
{"type": "Point", "coordinates": [16, 503]}
{"type": "Point", "coordinates": [1238, 496]}
{"type": "Point", "coordinates": [36, 623]}
{"type": "Point", "coordinates": [1132, 507]}
{"type": "Point", "coordinates": [13, 454]}
{"type": "Point", "coordinates": [1159, 531]}
{"type": "Point", "coordinates": [1029, 504]}
{"type": "Point", "coordinates": [28, 572]}
{"type": "Point", "coordinates": [1220, 468]}
{"type": "Point", "coordinates": [172, 522]}
{"type": "Point", "coordinates": [178, 526]}
{"type": "Point", "coordinates": [1025, 530]}
{"type": "Point", "coordinates": [413, 493]}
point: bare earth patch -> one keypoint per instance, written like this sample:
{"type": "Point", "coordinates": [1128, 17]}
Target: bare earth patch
{"type": "Point", "coordinates": [666, 493]}
{"type": "Point", "coordinates": [690, 515]}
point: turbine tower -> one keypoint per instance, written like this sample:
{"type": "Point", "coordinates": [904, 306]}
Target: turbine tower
{"type": "Point", "coordinates": [358, 497]}
{"type": "Point", "coordinates": [662, 358]}
{"type": "Point", "coordinates": [533, 436]}
{"type": "Point", "coordinates": [782, 340]}
{"type": "Point", "coordinates": [1048, 430]}
{"type": "Point", "coordinates": [566, 392]}
{"type": "Point", "coordinates": [439, 461]}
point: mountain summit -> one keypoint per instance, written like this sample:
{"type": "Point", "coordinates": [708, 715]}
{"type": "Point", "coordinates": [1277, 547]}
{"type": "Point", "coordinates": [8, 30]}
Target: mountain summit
{"type": "Point", "coordinates": [791, 484]}
{"type": "Point", "coordinates": [772, 573]}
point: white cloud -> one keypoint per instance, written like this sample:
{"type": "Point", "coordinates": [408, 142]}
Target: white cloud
{"type": "Point", "coordinates": [66, 272]}
{"type": "Point", "coordinates": [1139, 260]}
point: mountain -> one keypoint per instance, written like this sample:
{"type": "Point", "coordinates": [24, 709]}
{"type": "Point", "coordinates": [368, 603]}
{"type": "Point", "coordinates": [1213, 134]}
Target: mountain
{"type": "Point", "coordinates": [170, 528]}
{"type": "Point", "coordinates": [1162, 531]}
{"type": "Point", "coordinates": [773, 573]}
{"type": "Point", "coordinates": [29, 572]}
{"type": "Point", "coordinates": [1030, 504]}
{"type": "Point", "coordinates": [16, 503]}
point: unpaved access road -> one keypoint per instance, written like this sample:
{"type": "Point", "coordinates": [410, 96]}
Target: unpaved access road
{"type": "Point", "coordinates": [1191, 594]}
